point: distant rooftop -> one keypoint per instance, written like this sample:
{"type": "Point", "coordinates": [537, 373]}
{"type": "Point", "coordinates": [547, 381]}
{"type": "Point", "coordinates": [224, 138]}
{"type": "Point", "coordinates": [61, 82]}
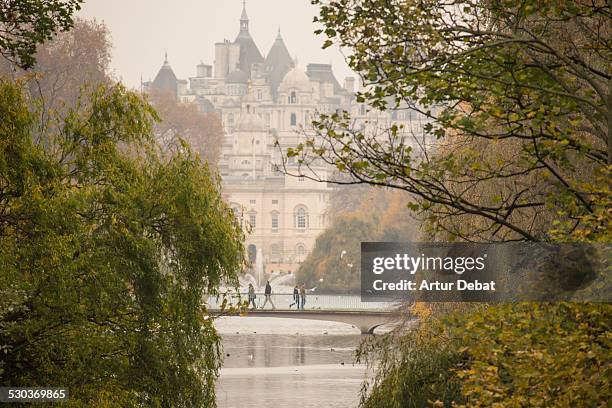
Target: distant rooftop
{"type": "Point", "coordinates": [166, 79]}
{"type": "Point", "coordinates": [324, 73]}
{"type": "Point", "coordinates": [278, 63]}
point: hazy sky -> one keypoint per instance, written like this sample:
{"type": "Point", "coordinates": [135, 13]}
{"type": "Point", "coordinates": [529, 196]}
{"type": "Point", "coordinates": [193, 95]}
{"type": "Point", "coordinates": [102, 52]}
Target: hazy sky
{"type": "Point", "coordinates": [142, 30]}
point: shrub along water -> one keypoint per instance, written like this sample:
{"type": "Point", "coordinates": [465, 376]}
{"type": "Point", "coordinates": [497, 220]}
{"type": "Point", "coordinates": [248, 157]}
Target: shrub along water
{"type": "Point", "coordinates": [107, 248]}
{"type": "Point", "coordinates": [517, 355]}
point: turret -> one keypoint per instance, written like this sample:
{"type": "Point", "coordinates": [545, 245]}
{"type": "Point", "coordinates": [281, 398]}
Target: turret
{"type": "Point", "coordinates": [244, 19]}
{"type": "Point", "coordinates": [165, 80]}
{"type": "Point", "coordinates": [249, 53]}
{"type": "Point", "coordinates": [278, 63]}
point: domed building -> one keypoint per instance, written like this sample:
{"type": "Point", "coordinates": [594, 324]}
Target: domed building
{"type": "Point", "coordinates": [266, 105]}
{"type": "Point", "coordinates": [250, 154]}
{"type": "Point", "coordinates": [297, 80]}
{"type": "Point", "coordinates": [249, 122]}
{"type": "Point", "coordinates": [295, 95]}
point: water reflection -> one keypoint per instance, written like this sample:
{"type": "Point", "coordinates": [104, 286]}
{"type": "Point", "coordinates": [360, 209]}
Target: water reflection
{"type": "Point", "coordinates": [301, 355]}
{"type": "Point", "coordinates": [261, 350]}
{"type": "Point", "coordinates": [288, 363]}
{"type": "Point", "coordinates": [250, 349]}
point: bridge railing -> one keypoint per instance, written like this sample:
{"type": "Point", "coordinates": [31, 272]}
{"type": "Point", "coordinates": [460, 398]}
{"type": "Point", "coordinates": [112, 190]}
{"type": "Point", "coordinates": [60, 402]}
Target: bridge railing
{"type": "Point", "coordinates": [285, 301]}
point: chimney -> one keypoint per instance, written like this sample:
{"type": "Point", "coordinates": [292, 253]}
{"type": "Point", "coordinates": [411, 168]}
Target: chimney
{"type": "Point", "coordinates": [221, 60]}
{"type": "Point", "coordinates": [204, 71]}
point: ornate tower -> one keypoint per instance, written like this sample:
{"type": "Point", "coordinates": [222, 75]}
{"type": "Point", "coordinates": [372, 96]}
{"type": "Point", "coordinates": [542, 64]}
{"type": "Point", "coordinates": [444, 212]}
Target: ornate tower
{"type": "Point", "coordinates": [249, 53]}
{"type": "Point", "coordinates": [244, 19]}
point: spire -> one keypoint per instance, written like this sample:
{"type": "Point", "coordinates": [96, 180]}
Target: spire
{"type": "Point", "coordinates": [249, 53]}
{"type": "Point", "coordinates": [244, 18]}
{"type": "Point", "coordinates": [278, 63]}
{"type": "Point", "coordinates": [165, 80]}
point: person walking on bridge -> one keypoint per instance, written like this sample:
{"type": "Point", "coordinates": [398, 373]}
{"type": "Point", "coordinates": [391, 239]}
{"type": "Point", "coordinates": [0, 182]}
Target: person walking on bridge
{"type": "Point", "coordinates": [268, 294]}
{"type": "Point", "coordinates": [302, 296]}
{"type": "Point", "coordinates": [252, 296]}
{"type": "Point", "coordinates": [296, 297]}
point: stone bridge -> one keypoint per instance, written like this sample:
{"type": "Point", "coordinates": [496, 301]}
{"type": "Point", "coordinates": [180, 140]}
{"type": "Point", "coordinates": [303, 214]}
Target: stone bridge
{"type": "Point", "coordinates": [364, 320]}
{"type": "Point", "coordinates": [366, 316]}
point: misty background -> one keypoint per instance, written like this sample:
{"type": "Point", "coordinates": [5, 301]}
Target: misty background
{"type": "Point", "coordinates": [143, 30]}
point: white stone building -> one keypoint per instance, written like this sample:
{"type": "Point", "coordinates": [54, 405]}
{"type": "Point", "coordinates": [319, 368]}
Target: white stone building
{"type": "Point", "coordinates": [262, 102]}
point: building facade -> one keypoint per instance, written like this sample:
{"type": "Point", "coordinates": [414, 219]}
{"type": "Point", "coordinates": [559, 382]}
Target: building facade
{"type": "Point", "coordinates": [266, 105]}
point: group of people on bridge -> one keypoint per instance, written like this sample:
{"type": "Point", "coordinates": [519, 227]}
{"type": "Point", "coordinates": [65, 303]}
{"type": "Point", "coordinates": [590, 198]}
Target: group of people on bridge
{"type": "Point", "coordinates": [299, 297]}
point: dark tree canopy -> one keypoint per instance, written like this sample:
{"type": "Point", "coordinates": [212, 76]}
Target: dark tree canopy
{"type": "Point", "coordinates": [519, 99]}
{"type": "Point", "coordinates": [109, 245]}
{"type": "Point", "coordinates": [108, 249]}
{"type": "Point", "coordinates": [24, 24]}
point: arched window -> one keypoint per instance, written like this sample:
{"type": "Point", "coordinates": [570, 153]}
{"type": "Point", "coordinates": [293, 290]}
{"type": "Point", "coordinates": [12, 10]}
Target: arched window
{"type": "Point", "coordinates": [293, 98]}
{"type": "Point", "coordinates": [300, 251]}
{"type": "Point", "coordinates": [293, 119]}
{"type": "Point", "coordinates": [274, 221]}
{"type": "Point", "coordinates": [301, 218]}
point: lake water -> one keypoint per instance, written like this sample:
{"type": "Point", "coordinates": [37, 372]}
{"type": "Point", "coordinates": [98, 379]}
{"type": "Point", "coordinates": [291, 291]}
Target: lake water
{"type": "Point", "coordinates": [277, 363]}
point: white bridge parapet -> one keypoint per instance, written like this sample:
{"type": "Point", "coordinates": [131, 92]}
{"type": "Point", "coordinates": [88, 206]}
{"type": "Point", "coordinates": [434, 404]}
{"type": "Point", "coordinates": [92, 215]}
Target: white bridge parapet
{"type": "Point", "coordinates": [366, 316]}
